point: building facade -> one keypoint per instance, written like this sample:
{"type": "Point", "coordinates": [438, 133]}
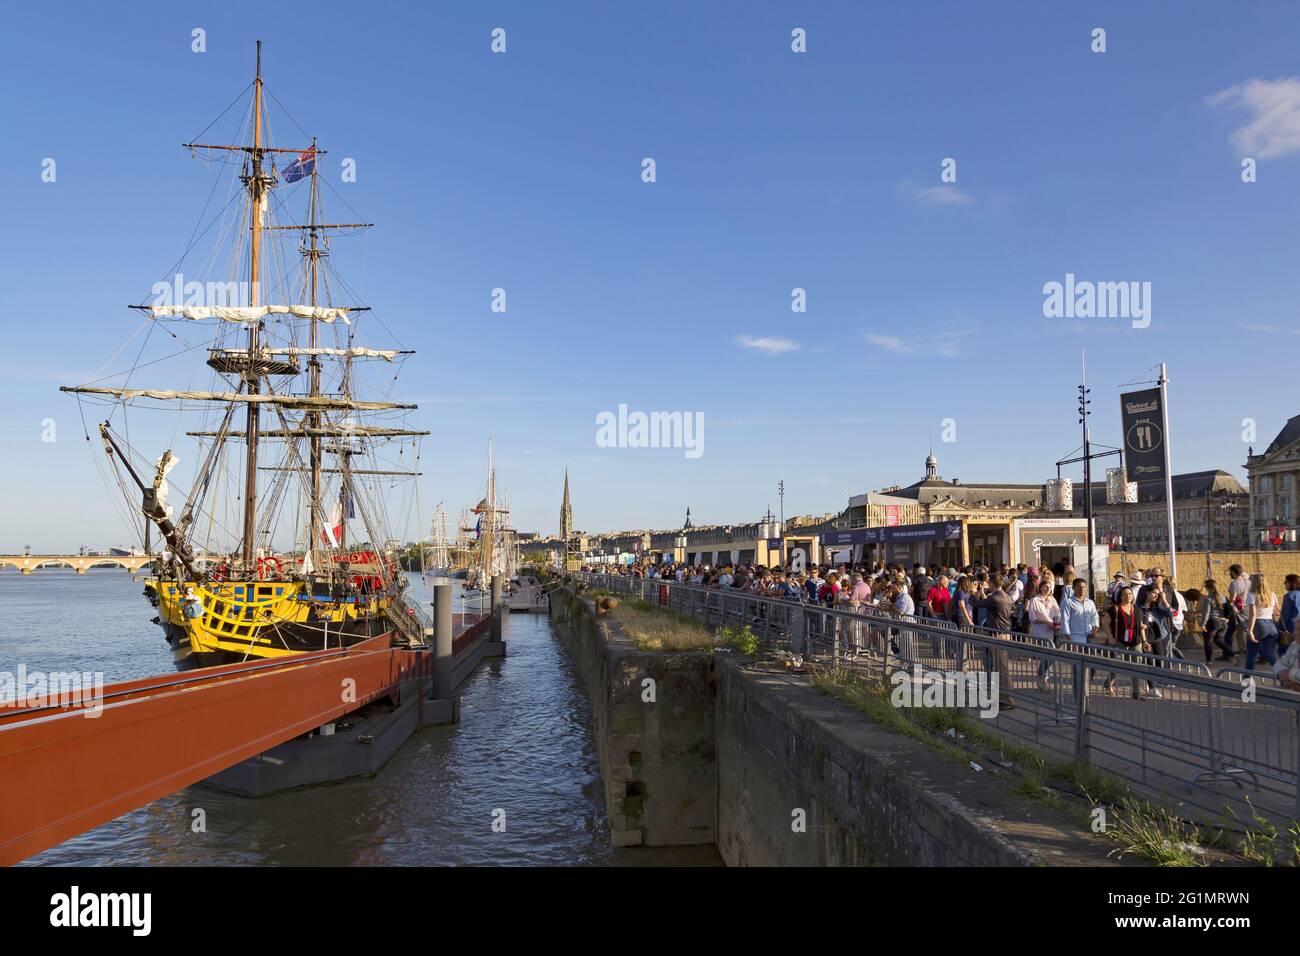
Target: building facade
{"type": "Point", "coordinates": [1211, 513]}
{"type": "Point", "coordinates": [1274, 480]}
{"type": "Point", "coordinates": [986, 512]}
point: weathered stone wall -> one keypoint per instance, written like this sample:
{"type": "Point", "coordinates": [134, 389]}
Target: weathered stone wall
{"type": "Point", "coordinates": [868, 795]}
{"type": "Point", "coordinates": [656, 755]}
{"type": "Point", "coordinates": [728, 753]}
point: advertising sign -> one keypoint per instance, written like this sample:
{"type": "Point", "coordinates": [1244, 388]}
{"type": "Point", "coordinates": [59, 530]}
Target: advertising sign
{"type": "Point", "coordinates": [1144, 437]}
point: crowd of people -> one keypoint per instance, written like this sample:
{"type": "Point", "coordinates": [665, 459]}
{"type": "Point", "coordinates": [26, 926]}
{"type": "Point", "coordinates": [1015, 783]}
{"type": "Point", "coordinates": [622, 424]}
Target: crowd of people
{"type": "Point", "coordinates": [1246, 622]}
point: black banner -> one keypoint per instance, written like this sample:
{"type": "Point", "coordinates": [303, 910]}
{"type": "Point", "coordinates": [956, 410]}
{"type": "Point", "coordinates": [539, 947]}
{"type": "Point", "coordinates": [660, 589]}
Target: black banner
{"type": "Point", "coordinates": [898, 534]}
{"type": "Point", "coordinates": [1144, 436]}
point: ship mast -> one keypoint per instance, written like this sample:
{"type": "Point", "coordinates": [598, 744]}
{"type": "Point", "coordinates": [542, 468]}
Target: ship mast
{"type": "Point", "coordinates": [257, 191]}
{"type": "Point", "coordinates": [490, 531]}
{"type": "Point", "coordinates": [313, 259]}
{"type": "Point", "coordinates": [258, 362]}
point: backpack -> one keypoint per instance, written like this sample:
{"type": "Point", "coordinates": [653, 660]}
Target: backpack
{"type": "Point", "coordinates": [1231, 612]}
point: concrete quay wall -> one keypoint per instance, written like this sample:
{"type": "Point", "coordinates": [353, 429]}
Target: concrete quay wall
{"type": "Point", "coordinates": [774, 773]}
{"type": "Point", "coordinates": [652, 716]}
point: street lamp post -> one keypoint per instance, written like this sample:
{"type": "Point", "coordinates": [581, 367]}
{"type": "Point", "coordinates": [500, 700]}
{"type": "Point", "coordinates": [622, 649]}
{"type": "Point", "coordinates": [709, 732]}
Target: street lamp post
{"type": "Point", "coordinates": [1084, 402]}
{"type": "Point", "coordinates": [1087, 457]}
{"type": "Point", "coordinates": [780, 493]}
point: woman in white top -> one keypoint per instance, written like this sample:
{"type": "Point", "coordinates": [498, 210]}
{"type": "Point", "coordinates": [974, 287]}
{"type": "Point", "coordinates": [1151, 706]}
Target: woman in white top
{"type": "Point", "coordinates": [1044, 613]}
{"type": "Point", "coordinates": [1044, 621]}
{"type": "Point", "coordinates": [1261, 632]}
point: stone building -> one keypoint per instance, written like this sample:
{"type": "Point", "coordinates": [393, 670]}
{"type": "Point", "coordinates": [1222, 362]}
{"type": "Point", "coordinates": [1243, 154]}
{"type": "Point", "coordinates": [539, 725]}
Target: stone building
{"type": "Point", "coordinates": [1274, 480]}
{"type": "Point", "coordinates": [987, 513]}
{"type": "Point", "coordinates": [1210, 514]}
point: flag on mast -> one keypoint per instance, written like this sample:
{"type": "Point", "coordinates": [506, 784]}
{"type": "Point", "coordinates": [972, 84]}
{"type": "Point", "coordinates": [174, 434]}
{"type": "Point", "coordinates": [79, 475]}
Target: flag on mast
{"type": "Point", "coordinates": [339, 513]}
{"type": "Point", "coordinates": [301, 167]}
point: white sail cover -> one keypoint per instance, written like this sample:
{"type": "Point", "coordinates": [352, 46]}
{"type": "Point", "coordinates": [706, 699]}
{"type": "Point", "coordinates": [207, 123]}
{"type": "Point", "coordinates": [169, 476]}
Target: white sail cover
{"type": "Point", "coordinates": [249, 313]}
{"type": "Point", "coordinates": [257, 398]}
{"type": "Point", "coordinates": [161, 489]}
{"type": "Point", "coordinates": [355, 351]}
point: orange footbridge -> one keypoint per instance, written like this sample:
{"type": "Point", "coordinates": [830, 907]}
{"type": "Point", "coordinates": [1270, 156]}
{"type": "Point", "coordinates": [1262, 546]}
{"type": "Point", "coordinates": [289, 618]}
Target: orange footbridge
{"type": "Point", "coordinates": [63, 772]}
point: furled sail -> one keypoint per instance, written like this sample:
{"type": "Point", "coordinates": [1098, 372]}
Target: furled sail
{"type": "Point", "coordinates": [327, 431]}
{"type": "Point", "coordinates": [249, 313]}
{"type": "Point", "coordinates": [162, 467]}
{"type": "Point", "coordinates": [355, 351]}
{"type": "Point", "coordinates": [288, 401]}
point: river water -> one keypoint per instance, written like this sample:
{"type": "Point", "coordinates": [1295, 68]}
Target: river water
{"type": "Point", "coordinates": [523, 746]}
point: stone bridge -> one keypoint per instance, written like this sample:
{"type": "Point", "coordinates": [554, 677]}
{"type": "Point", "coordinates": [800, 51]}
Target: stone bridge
{"type": "Point", "coordinates": [81, 563]}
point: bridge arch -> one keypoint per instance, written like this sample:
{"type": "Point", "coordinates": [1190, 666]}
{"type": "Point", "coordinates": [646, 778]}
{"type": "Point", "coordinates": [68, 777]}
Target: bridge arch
{"type": "Point", "coordinates": [81, 563]}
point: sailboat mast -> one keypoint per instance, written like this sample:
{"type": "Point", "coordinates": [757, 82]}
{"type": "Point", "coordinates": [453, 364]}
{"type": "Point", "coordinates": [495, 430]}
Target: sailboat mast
{"type": "Point", "coordinates": [313, 258]}
{"type": "Point", "coordinates": [252, 380]}
{"type": "Point", "coordinates": [489, 533]}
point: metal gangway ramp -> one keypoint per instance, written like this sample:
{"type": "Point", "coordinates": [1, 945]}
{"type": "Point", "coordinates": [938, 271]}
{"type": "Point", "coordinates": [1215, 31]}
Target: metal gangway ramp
{"type": "Point", "coordinates": [65, 772]}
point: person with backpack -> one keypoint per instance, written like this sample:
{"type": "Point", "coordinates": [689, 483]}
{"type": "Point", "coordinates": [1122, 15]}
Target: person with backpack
{"type": "Point", "coordinates": [1213, 623]}
{"type": "Point", "coordinates": [1178, 620]}
{"type": "Point", "coordinates": [1238, 588]}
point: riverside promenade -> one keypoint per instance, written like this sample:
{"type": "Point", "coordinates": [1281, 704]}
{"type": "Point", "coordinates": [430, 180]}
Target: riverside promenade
{"type": "Point", "coordinates": [1209, 746]}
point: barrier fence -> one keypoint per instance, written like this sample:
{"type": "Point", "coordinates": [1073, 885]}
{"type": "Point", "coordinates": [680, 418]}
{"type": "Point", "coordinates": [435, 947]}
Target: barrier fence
{"type": "Point", "coordinates": [1224, 746]}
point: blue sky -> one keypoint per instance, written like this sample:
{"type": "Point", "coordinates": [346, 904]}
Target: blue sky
{"type": "Point", "coordinates": [775, 170]}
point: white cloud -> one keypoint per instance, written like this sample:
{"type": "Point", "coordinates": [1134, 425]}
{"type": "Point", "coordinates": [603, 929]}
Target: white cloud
{"type": "Point", "coordinates": [889, 342]}
{"type": "Point", "coordinates": [1273, 128]}
{"type": "Point", "coordinates": [945, 342]}
{"type": "Point", "coordinates": [768, 344]}
{"type": "Point", "coordinates": [936, 196]}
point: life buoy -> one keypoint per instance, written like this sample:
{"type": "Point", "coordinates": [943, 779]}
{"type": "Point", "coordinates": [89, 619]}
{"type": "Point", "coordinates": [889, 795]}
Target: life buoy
{"type": "Point", "coordinates": [263, 562]}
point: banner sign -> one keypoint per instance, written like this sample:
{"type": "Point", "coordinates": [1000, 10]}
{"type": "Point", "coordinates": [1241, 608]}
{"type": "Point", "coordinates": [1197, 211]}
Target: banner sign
{"type": "Point", "coordinates": [856, 536]}
{"type": "Point", "coordinates": [1144, 438]}
{"type": "Point", "coordinates": [901, 534]}
{"type": "Point", "coordinates": [939, 531]}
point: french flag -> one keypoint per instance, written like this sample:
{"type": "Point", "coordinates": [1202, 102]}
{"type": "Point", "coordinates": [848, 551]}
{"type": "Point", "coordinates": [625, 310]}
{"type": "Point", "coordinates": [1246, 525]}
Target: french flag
{"type": "Point", "coordinates": [301, 167]}
{"type": "Point", "coordinates": [342, 510]}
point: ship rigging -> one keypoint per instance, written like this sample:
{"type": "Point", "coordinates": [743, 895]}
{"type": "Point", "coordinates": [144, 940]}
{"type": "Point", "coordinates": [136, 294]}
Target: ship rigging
{"type": "Point", "coordinates": [283, 567]}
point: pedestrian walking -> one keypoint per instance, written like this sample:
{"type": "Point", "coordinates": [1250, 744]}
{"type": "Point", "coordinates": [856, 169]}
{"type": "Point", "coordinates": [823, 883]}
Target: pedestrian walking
{"type": "Point", "coordinates": [1261, 630]}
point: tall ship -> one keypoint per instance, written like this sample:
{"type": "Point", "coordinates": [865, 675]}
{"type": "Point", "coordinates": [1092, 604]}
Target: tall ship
{"type": "Point", "coordinates": [281, 544]}
{"type": "Point", "coordinates": [436, 558]}
{"type": "Point", "coordinates": [494, 547]}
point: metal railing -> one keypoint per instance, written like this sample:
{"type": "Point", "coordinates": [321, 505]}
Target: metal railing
{"type": "Point", "coordinates": [406, 614]}
{"type": "Point", "coordinates": [1227, 745]}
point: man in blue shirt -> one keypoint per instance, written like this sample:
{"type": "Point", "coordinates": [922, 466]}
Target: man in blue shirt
{"type": "Point", "coordinates": [1079, 619]}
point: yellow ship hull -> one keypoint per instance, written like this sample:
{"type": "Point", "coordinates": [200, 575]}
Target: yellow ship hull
{"type": "Point", "coordinates": [244, 620]}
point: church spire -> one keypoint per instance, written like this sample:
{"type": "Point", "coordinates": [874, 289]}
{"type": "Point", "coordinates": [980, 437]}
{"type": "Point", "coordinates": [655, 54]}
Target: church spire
{"type": "Point", "coordinates": [566, 511]}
